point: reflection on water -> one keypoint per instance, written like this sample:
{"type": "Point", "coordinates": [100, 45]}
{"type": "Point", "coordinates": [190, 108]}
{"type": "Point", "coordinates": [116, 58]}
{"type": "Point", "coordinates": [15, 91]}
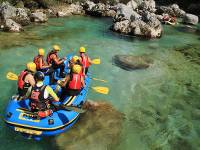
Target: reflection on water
{"type": "Point", "coordinates": [99, 128]}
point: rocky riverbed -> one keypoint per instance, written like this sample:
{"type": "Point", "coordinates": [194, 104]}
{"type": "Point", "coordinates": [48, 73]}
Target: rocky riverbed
{"type": "Point", "coordinates": [139, 18]}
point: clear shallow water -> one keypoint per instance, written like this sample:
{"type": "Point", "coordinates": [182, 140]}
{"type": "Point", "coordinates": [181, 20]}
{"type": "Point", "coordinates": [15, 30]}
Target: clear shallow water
{"type": "Point", "coordinates": [161, 110]}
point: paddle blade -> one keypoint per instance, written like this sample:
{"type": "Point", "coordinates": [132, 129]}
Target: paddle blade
{"type": "Point", "coordinates": [96, 61]}
{"type": "Point", "coordinates": [102, 90]}
{"type": "Point", "coordinates": [99, 80]}
{"type": "Point", "coordinates": [11, 76]}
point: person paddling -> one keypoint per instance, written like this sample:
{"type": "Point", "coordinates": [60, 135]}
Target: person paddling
{"type": "Point", "coordinates": [73, 83]}
{"type": "Point", "coordinates": [42, 66]}
{"type": "Point", "coordinates": [26, 79]}
{"type": "Point", "coordinates": [52, 58]}
{"type": "Point", "coordinates": [39, 96]}
{"type": "Point", "coordinates": [85, 60]}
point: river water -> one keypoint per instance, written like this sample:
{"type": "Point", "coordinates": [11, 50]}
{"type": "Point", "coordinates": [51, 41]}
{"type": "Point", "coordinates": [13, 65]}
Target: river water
{"type": "Point", "coordinates": [160, 104]}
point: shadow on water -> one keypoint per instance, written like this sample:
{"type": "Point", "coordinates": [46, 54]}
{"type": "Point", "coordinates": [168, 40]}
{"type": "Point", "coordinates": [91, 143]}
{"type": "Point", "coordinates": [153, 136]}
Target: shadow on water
{"type": "Point", "coordinates": [99, 128]}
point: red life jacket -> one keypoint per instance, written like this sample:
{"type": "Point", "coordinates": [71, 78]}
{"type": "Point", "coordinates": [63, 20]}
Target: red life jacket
{"type": "Point", "coordinates": [85, 61]}
{"type": "Point", "coordinates": [37, 62]}
{"type": "Point", "coordinates": [75, 83]}
{"type": "Point", "coordinates": [21, 78]}
{"type": "Point", "coordinates": [43, 114]}
{"type": "Point", "coordinates": [49, 59]}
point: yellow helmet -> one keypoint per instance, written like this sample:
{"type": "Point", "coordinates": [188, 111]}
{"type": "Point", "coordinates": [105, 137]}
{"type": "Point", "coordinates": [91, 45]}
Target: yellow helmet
{"type": "Point", "coordinates": [74, 59]}
{"type": "Point", "coordinates": [31, 66]}
{"type": "Point", "coordinates": [82, 50]}
{"type": "Point", "coordinates": [41, 51]}
{"type": "Point", "coordinates": [56, 48]}
{"type": "Point", "coordinates": [76, 69]}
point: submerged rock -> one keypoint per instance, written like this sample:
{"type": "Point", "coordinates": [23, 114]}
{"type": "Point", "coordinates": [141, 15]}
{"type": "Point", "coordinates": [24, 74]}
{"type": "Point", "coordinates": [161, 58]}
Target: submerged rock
{"type": "Point", "coordinates": [129, 62]}
{"type": "Point", "coordinates": [99, 128]}
{"type": "Point", "coordinates": [190, 19]}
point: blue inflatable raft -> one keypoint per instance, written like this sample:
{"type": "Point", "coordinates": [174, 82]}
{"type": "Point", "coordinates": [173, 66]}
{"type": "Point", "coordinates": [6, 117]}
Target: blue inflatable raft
{"type": "Point", "coordinates": [19, 118]}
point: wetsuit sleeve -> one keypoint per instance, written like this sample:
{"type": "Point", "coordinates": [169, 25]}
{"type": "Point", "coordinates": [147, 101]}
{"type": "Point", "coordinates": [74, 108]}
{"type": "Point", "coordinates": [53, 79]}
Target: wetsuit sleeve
{"type": "Point", "coordinates": [52, 93]}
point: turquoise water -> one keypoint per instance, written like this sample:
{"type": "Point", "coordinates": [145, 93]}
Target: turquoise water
{"type": "Point", "coordinates": [161, 104]}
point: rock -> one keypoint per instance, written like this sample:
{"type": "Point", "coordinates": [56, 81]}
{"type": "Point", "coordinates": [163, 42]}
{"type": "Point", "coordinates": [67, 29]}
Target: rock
{"type": "Point", "coordinates": [63, 13]}
{"type": "Point", "coordinates": [172, 10]}
{"type": "Point", "coordinates": [39, 17]}
{"type": "Point", "coordinates": [148, 5]}
{"type": "Point", "coordinates": [124, 12]}
{"type": "Point", "coordinates": [99, 128]}
{"type": "Point", "coordinates": [122, 27]}
{"type": "Point", "coordinates": [88, 5]}
{"type": "Point", "coordinates": [31, 4]}
{"type": "Point", "coordinates": [12, 26]}
{"type": "Point", "coordinates": [144, 24]}
{"type": "Point", "coordinates": [7, 11]}
{"type": "Point", "coordinates": [77, 9]}
{"type": "Point", "coordinates": [22, 16]}
{"type": "Point", "coordinates": [132, 4]}
{"type": "Point", "coordinates": [19, 15]}
{"type": "Point", "coordinates": [110, 13]}
{"type": "Point", "coordinates": [129, 62]}
{"type": "Point", "coordinates": [190, 19]}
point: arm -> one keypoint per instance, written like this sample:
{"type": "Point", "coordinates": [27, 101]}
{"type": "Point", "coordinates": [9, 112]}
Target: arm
{"type": "Point", "coordinates": [82, 82]}
{"type": "Point", "coordinates": [57, 61]}
{"type": "Point", "coordinates": [52, 93]}
{"type": "Point", "coordinates": [90, 61]}
{"type": "Point", "coordinates": [30, 79]}
{"type": "Point", "coordinates": [41, 66]}
{"type": "Point", "coordinates": [66, 81]}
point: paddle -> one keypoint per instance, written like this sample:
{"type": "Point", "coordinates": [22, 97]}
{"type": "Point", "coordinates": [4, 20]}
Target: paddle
{"type": "Point", "coordinates": [11, 76]}
{"type": "Point", "coordinates": [96, 61]}
{"type": "Point", "coordinates": [98, 79]}
{"type": "Point", "coordinates": [67, 108]}
{"type": "Point", "coordinates": [100, 89]}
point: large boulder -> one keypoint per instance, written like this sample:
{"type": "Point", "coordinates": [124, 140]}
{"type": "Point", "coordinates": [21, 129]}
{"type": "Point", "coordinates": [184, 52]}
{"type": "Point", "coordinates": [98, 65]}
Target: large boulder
{"type": "Point", "coordinates": [172, 10]}
{"type": "Point", "coordinates": [39, 17]}
{"type": "Point", "coordinates": [19, 15]}
{"type": "Point", "coordinates": [191, 19]}
{"type": "Point", "coordinates": [124, 12]}
{"type": "Point", "coordinates": [12, 26]}
{"type": "Point", "coordinates": [130, 62]}
{"type": "Point", "coordinates": [122, 27]}
{"type": "Point", "coordinates": [144, 24]}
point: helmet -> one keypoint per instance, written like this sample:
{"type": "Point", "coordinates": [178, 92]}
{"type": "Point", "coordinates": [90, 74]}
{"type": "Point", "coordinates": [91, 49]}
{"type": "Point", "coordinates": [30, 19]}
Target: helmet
{"type": "Point", "coordinates": [75, 59]}
{"type": "Point", "coordinates": [31, 66]}
{"type": "Point", "coordinates": [56, 48]}
{"type": "Point", "coordinates": [41, 51]}
{"type": "Point", "coordinates": [76, 69]}
{"type": "Point", "coordinates": [39, 76]}
{"type": "Point", "coordinates": [82, 50]}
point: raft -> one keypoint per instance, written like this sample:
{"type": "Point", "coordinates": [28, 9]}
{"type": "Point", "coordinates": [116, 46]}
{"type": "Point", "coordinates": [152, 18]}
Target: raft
{"type": "Point", "coordinates": [19, 118]}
